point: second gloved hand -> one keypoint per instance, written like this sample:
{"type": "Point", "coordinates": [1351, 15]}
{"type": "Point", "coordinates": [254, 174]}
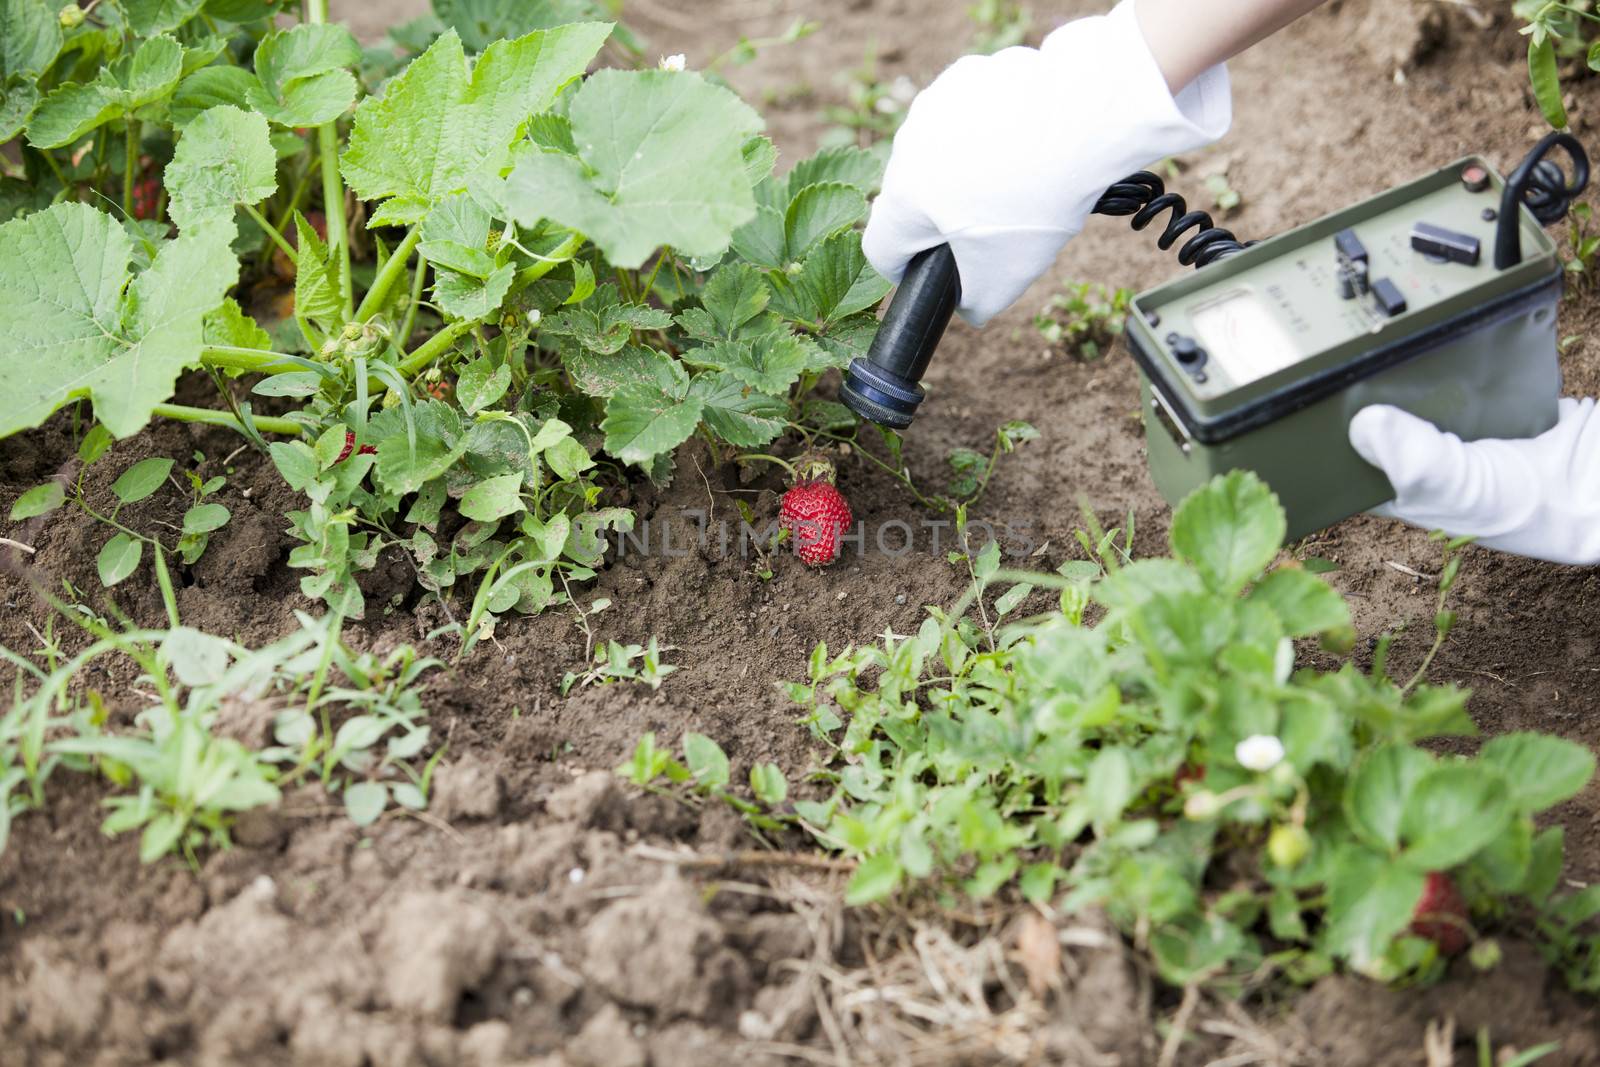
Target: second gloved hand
{"type": "Point", "coordinates": [1538, 498]}
{"type": "Point", "coordinates": [1004, 156]}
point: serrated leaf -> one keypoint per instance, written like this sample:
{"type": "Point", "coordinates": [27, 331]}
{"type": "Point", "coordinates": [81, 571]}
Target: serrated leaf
{"type": "Point", "coordinates": [1305, 604]}
{"type": "Point", "coordinates": [1452, 811]}
{"type": "Point", "coordinates": [149, 17]}
{"type": "Point", "coordinates": [436, 125]}
{"type": "Point", "coordinates": [19, 97]}
{"type": "Point", "coordinates": [133, 81]}
{"type": "Point", "coordinates": [762, 240]}
{"type": "Point", "coordinates": [142, 479]}
{"type": "Point", "coordinates": [769, 363]}
{"type": "Point", "coordinates": [40, 500]}
{"type": "Point", "coordinates": [643, 421]}
{"type": "Point", "coordinates": [818, 212]}
{"type": "Point", "coordinates": [493, 499]}
{"type": "Point", "coordinates": [67, 330]}
{"type": "Point", "coordinates": [304, 71]}
{"type": "Point", "coordinates": [317, 282]}
{"type": "Point", "coordinates": [835, 282]}
{"type": "Point", "coordinates": [30, 36]}
{"type": "Point", "coordinates": [1376, 793]}
{"type": "Point", "coordinates": [224, 158]}
{"type": "Point", "coordinates": [211, 87]}
{"type": "Point", "coordinates": [605, 323]}
{"type": "Point", "coordinates": [760, 156]}
{"type": "Point", "coordinates": [661, 164]}
{"type": "Point", "coordinates": [440, 441]}
{"type": "Point", "coordinates": [1541, 770]}
{"type": "Point", "coordinates": [463, 297]}
{"type": "Point", "coordinates": [229, 327]}
{"type": "Point", "coordinates": [847, 164]}
{"type": "Point", "coordinates": [483, 22]}
{"type": "Point", "coordinates": [602, 375]}
{"type": "Point", "coordinates": [481, 384]}
{"type": "Point", "coordinates": [1229, 529]}
{"type": "Point", "coordinates": [738, 414]}
{"type": "Point", "coordinates": [118, 558]}
{"type": "Point", "coordinates": [735, 294]}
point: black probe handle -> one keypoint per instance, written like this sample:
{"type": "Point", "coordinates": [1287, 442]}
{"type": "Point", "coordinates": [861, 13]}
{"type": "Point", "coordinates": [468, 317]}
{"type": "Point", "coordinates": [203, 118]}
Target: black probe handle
{"type": "Point", "coordinates": [884, 387]}
{"type": "Point", "coordinates": [918, 314]}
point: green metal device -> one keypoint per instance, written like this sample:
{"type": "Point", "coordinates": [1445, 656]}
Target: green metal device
{"type": "Point", "coordinates": [1438, 297]}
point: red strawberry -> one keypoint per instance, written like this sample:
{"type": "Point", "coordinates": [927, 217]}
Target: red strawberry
{"type": "Point", "coordinates": [1189, 771]}
{"type": "Point", "coordinates": [350, 446]}
{"type": "Point", "coordinates": [1441, 915]}
{"type": "Point", "coordinates": [816, 514]}
{"type": "Point", "coordinates": [146, 197]}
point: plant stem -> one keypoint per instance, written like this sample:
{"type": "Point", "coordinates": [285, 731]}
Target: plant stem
{"type": "Point", "coordinates": [393, 268]}
{"type": "Point", "coordinates": [403, 338]}
{"type": "Point", "coordinates": [332, 183]}
{"type": "Point", "coordinates": [55, 168]}
{"type": "Point", "coordinates": [785, 464]}
{"type": "Point", "coordinates": [272, 231]}
{"type": "Point", "coordinates": [246, 359]}
{"type": "Point", "coordinates": [168, 597]}
{"type": "Point", "coordinates": [208, 417]}
{"type": "Point", "coordinates": [561, 253]}
{"type": "Point", "coordinates": [434, 347]}
{"type": "Point", "coordinates": [129, 167]}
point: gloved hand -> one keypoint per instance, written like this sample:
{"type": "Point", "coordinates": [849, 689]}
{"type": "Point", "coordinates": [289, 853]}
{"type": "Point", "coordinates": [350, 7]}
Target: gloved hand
{"type": "Point", "coordinates": [1003, 156]}
{"type": "Point", "coordinates": [1538, 498]}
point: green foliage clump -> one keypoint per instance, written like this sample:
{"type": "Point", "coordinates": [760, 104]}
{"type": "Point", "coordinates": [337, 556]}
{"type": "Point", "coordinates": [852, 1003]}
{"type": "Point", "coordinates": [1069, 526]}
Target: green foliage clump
{"type": "Point", "coordinates": [1084, 318]}
{"type": "Point", "coordinates": [1556, 33]}
{"type": "Point", "coordinates": [1168, 762]}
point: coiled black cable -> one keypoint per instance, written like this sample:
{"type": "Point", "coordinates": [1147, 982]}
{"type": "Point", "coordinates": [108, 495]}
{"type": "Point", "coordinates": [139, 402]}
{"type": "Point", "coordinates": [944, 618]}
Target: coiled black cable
{"type": "Point", "coordinates": [1541, 185]}
{"type": "Point", "coordinates": [1144, 196]}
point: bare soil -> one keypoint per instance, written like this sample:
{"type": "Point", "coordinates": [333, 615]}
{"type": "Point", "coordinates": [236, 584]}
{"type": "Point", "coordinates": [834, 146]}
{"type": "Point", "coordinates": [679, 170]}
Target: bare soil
{"type": "Point", "coordinates": [545, 915]}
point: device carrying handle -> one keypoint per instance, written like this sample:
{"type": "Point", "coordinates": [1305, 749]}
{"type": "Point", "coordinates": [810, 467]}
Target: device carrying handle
{"type": "Point", "coordinates": [884, 387]}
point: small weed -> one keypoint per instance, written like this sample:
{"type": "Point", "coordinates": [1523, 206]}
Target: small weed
{"type": "Point", "coordinates": [1084, 318]}
{"type": "Point", "coordinates": [998, 24]}
{"type": "Point", "coordinates": [1224, 197]}
{"type": "Point", "coordinates": [1582, 245]}
{"type": "Point", "coordinates": [615, 663]}
{"type": "Point", "coordinates": [873, 110]}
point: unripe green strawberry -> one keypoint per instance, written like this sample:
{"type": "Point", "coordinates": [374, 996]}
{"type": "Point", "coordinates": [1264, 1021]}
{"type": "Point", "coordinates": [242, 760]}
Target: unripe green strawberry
{"type": "Point", "coordinates": [1288, 846]}
{"type": "Point", "coordinates": [71, 17]}
{"type": "Point", "coordinates": [1441, 915]}
{"type": "Point", "coordinates": [816, 514]}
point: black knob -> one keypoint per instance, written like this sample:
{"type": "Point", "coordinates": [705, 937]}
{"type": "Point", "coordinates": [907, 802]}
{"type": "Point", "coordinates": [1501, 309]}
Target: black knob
{"type": "Point", "coordinates": [884, 387]}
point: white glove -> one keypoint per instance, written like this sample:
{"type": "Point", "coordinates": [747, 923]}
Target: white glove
{"type": "Point", "coordinates": [1003, 156]}
{"type": "Point", "coordinates": [1538, 498]}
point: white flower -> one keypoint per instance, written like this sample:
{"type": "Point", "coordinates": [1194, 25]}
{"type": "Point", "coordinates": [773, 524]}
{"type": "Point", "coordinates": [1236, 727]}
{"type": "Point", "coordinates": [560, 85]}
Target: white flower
{"type": "Point", "coordinates": [677, 62]}
{"type": "Point", "coordinates": [1260, 752]}
{"type": "Point", "coordinates": [1283, 666]}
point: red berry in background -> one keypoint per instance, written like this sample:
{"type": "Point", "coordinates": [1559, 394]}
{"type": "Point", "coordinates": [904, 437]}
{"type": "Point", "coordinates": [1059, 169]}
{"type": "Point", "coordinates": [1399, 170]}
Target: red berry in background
{"type": "Point", "coordinates": [816, 514]}
{"type": "Point", "coordinates": [350, 446]}
{"type": "Point", "coordinates": [1189, 771]}
{"type": "Point", "coordinates": [146, 197]}
{"type": "Point", "coordinates": [1441, 915]}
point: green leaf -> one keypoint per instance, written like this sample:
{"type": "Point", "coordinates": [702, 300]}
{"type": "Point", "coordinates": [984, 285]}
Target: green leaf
{"type": "Point", "coordinates": [196, 658]}
{"type": "Point", "coordinates": [318, 293]}
{"type": "Point", "coordinates": [229, 327]}
{"type": "Point", "coordinates": [1452, 811]}
{"type": "Point", "coordinates": [149, 17]}
{"type": "Point", "coordinates": [768, 784]}
{"type": "Point", "coordinates": [224, 158]}
{"type": "Point", "coordinates": [1546, 80]}
{"type": "Point", "coordinates": [481, 384]}
{"type": "Point", "coordinates": [118, 558]}
{"type": "Point", "coordinates": [1370, 900]}
{"type": "Point", "coordinates": [1377, 792]}
{"type": "Point", "coordinates": [1305, 604]}
{"type": "Point", "coordinates": [302, 74]}
{"type": "Point", "coordinates": [605, 323]}
{"type": "Point", "coordinates": [835, 282]}
{"type": "Point", "coordinates": [482, 22]}
{"type": "Point", "coordinates": [738, 414]}
{"type": "Point", "coordinates": [735, 294]}
{"type": "Point", "coordinates": [217, 86]}
{"type": "Point", "coordinates": [204, 518]}
{"type": "Point", "coordinates": [643, 420]}
{"type": "Point", "coordinates": [769, 363]}
{"type": "Point", "coordinates": [603, 375]}
{"type": "Point", "coordinates": [706, 761]}
{"type": "Point", "coordinates": [847, 164]}
{"type": "Point", "coordinates": [440, 441]}
{"type": "Point", "coordinates": [1109, 786]}
{"type": "Point", "coordinates": [875, 879]}
{"type": "Point", "coordinates": [818, 212]}
{"type": "Point", "coordinates": [161, 835]}
{"type": "Point", "coordinates": [364, 802]}
{"type": "Point", "coordinates": [436, 126]}
{"type": "Point", "coordinates": [142, 479]}
{"type": "Point", "coordinates": [762, 240]}
{"type": "Point", "coordinates": [661, 165]}
{"type": "Point", "coordinates": [19, 97]}
{"type": "Point", "coordinates": [464, 297]}
{"type": "Point", "coordinates": [493, 499]}
{"type": "Point", "coordinates": [1229, 530]}
{"type": "Point", "coordinates": [1541, 770]}
{"type": "Point", "coordinates": [30, 36]}
{"type": "Point", "coordinates": [68, 331]}
{"type": "Point", "coordinates": [40, 500]}
{"type": "Point", "coordinates": [134, 81]}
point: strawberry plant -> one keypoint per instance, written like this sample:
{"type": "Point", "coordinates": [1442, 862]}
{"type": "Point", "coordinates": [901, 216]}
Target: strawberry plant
{"type": "Point", "coordinates": [1084, 318]}
{"type": "Point", "coordinates": [512, 283]}
{"type": "Point", "coordinates": [1171, 764]}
